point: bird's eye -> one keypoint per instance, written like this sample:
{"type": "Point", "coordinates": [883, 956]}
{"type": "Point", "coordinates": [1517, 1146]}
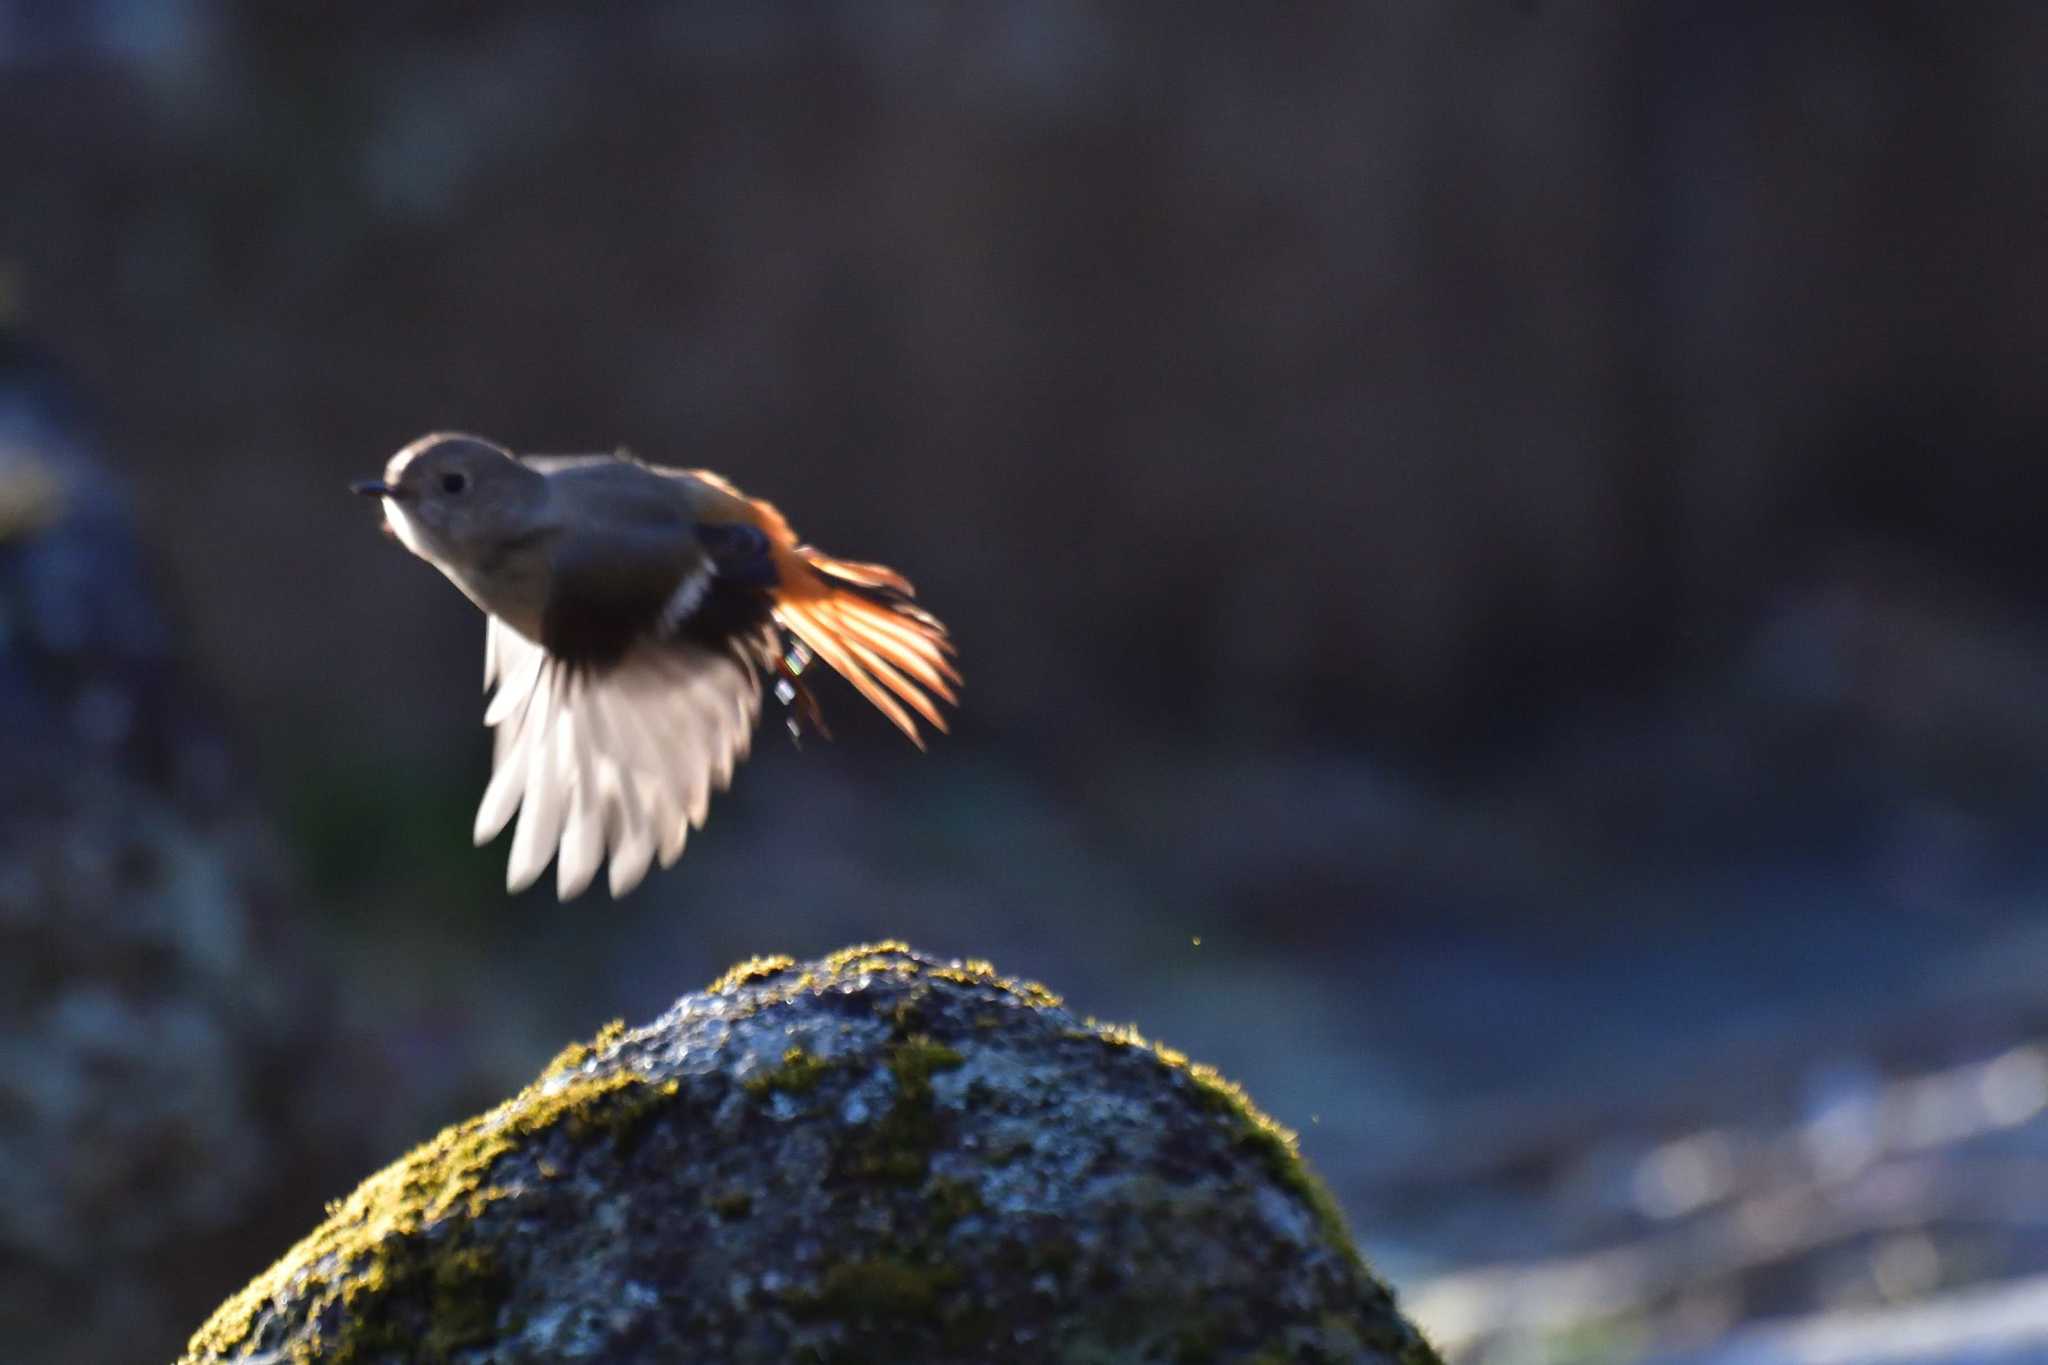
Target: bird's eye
{"type": "Point", "coordinates": [454, 481]}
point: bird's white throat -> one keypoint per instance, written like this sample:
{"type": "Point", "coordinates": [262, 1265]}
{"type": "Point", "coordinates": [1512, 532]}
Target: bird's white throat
{"type": "Point", "coordinates": [408, 534]}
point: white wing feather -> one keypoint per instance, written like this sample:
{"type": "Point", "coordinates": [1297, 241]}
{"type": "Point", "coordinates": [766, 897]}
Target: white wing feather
{"type": "Point", "coordinates": [622, 763]}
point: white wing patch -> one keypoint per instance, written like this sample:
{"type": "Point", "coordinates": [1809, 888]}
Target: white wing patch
{"type": "Point", "coordinates": [682, 604]}
{"type": "Point", "coordinates": [621, 763]}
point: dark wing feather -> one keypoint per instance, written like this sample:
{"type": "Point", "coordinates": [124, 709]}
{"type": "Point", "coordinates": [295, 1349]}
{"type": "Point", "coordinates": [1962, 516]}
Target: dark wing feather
{"type": "Point", "coordinates": [609, 589]}
{"type": "Point", "coordinates": [602, 600]}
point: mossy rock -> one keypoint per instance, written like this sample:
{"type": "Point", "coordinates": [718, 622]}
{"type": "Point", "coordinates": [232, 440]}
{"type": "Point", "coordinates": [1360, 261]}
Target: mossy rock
{"type": "Point", "coordinates": [874, 1157]}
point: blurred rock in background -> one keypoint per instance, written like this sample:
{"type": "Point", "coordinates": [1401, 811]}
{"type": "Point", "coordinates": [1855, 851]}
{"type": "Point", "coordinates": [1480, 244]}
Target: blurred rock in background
{"type": "Point", "coordinates": [1495, 546]}
{"type": "Point", "coordinates": [158, 1009]}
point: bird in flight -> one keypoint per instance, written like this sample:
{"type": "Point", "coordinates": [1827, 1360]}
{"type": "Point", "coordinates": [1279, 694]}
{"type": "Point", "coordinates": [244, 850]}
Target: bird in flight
{"type": "Point", "coordinates": [633, 614]}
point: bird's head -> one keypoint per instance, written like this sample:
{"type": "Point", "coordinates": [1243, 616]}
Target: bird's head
{"type": "Point", "coordinates": [454, 498]}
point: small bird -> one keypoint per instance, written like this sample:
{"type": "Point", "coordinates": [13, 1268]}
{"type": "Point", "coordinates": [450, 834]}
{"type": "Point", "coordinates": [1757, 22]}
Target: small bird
{"type": "Point", "coordinates": [633, 612]}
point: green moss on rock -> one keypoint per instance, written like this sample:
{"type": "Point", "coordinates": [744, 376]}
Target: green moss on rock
{"type": "Point", "coordinates": [1277, 1146]}
{"type": "Point", "coordinates": [797, 1075]}
{"type": "Point", "coordinates": [883, 1287]}
{"type": "Point", "coordinates": [397, 1257]}
{"type": "Point", "coordinates": [734, 1201]}
{"type": "Point", "coordinates": [872, 1156]}
{"type": "Point", "coordinates": [754, 969]}
{"type": "Point", "coordinates": [576, 1055]}
{"type": "Point", "coordinates": [898, 1146]}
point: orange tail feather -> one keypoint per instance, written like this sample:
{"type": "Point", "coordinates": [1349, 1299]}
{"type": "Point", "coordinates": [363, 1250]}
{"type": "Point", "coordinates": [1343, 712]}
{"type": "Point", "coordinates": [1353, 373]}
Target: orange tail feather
{"type": "Point", "coordinates": [860, 618]}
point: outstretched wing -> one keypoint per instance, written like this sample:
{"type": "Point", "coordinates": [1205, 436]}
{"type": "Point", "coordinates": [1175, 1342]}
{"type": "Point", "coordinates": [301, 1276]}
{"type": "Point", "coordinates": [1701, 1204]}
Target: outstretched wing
{"type": "Point", "coordinates": [616, 726]}
{"type": "Point", "coordinates": [620, 761]}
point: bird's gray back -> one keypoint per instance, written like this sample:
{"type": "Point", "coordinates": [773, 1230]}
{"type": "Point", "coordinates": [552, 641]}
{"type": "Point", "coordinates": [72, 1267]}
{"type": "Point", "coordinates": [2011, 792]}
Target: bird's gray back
{"type": "Point", "coordinates": [619, 495]}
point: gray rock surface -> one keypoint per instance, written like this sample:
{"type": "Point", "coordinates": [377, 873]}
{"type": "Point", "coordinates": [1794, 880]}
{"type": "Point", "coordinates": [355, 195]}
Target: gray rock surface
{"type": "Point", "coordinates": [873, 1157]}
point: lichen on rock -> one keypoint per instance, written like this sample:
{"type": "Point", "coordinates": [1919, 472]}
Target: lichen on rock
{"type": "Point", "coordinates": [875, 1156]}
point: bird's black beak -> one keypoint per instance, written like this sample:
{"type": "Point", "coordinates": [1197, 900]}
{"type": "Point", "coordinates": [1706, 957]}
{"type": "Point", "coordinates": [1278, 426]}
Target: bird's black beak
{"type": "Point", "coordinates": [375, 488]}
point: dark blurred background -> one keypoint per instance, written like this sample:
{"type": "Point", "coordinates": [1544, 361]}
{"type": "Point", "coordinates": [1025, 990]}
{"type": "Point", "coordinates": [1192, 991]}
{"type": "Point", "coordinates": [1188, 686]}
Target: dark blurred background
{"type": "Point", "coordinates": [1494, 546]}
